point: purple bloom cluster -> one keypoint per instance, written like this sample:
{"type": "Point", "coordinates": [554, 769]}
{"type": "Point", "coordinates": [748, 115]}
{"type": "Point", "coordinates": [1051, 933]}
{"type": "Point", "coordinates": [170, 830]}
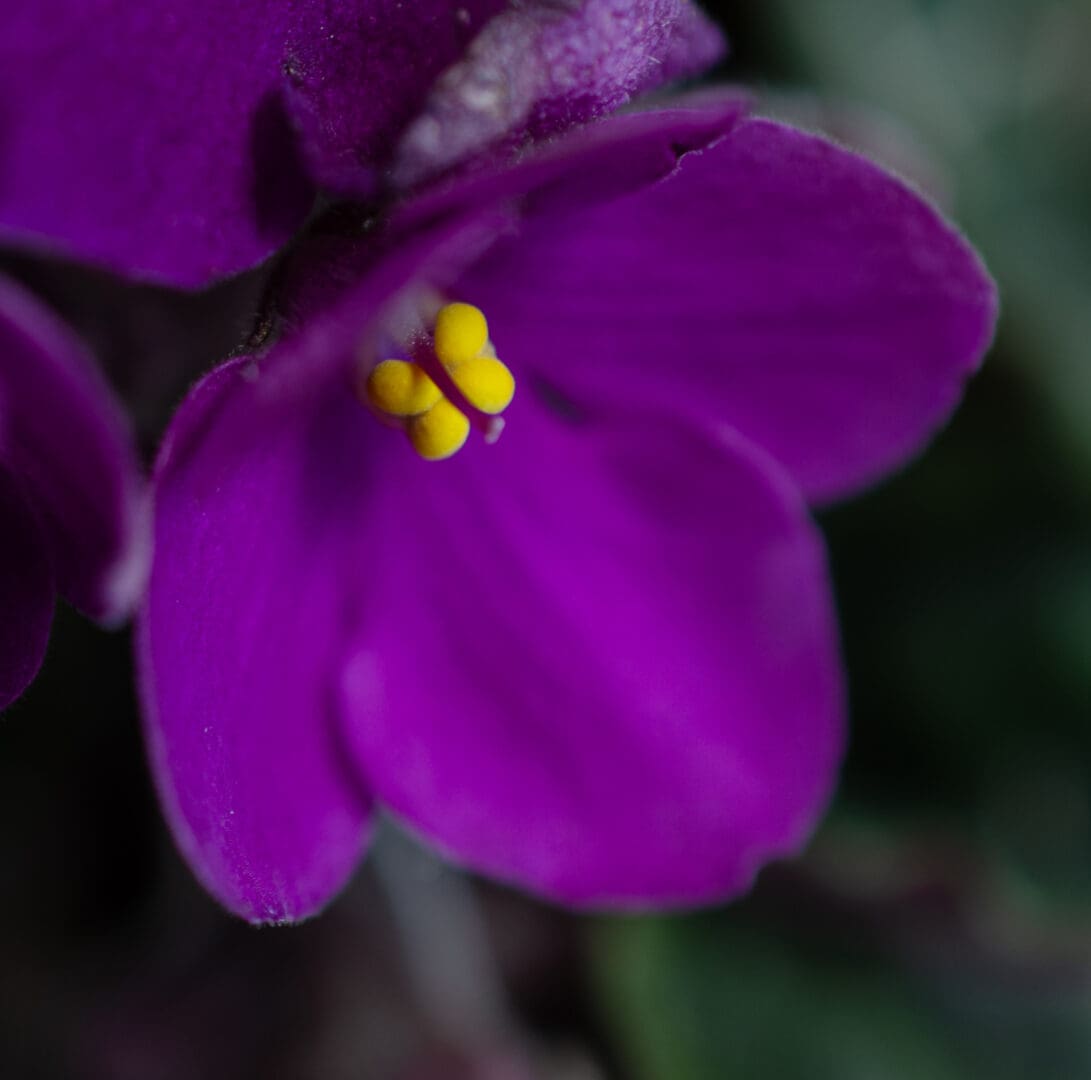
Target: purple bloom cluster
{"type": "Point", "coordinates": [596, 657]}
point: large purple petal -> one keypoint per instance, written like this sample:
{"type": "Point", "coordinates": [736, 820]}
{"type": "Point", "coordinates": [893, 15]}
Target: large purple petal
{"type": "Point", "coordinates": [540, 67]}
{"type": "Point", "coordinates": [599, 660]}
{"type": "Point", "coordinates": [237, 646]}
{"type": "Point", "coordinates": [26, 591]}
{"type": "Point", "coordinates": [64, 437]}
{"type": "Point", "coordinates": [148, 137]}
{"type": "Point", "coordinates": [775, 283]}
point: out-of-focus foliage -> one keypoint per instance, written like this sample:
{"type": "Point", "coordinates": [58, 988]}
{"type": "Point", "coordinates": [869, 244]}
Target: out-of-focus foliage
{"type": "Point", "coordinates": [955, 941]}
{"type": "Point", "coordinates": [882, 956]}
{"type": "Point", "coordinates": [728, 1002]}
{"type": "Point", "coordinates": [1000, 92]}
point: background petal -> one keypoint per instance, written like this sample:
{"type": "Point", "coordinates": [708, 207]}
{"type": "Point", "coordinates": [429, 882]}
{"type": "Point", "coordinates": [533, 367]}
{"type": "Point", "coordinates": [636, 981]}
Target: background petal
{"type": "Point", "coordinates": [148, 138]}
{"type": "Point", "coordinates": [358, 74]}
{"type": "Point", "coordinates": [65, 438]}
{"type": "Point", "coordinates": [694, 45]}
{"type": "Point", "coordinates": [446, 82]}
{"type": "Point", "coordinates": [774, 282]}
{"type": "Point", "coordinates": [541, 67]}
{"type": "Point", "coordinates": [26, 592]}
{"type": "Point", "coordinates": [237, 642]}
{"type": "Point", "coordinates": [598, 661]}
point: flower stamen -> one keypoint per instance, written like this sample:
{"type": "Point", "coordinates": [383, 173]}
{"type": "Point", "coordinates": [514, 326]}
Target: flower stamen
{"type": "Point", "coordinates": [459, 352]}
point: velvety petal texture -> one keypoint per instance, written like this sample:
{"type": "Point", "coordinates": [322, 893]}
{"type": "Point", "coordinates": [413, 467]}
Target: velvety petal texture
{"type": "Point", "coordinates": [65, 441]}
{"type": "Point", "coordinates": [148, 138]}
{"type": "Point", "coordinates": [358, 74]}
{"type": "Point", "coordinates": [598, 659]}
{"type": "Point", "coordinates": [694, 45]}
{"type": "Point", "coordinates": [418, 88]}
{"type": "Point", "coordinates": [542, 66]}
{"type": "Point", "coordinates": [775, 283]}
{"type": "Point", "coordinates": [26, 592]}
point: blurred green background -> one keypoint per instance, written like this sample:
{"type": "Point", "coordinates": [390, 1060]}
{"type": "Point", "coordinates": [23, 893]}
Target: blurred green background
{"type": "Point", "coordinates": [939, 927]}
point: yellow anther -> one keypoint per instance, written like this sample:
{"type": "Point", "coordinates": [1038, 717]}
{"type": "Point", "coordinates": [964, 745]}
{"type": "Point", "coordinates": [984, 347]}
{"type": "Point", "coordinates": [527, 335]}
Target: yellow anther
{"type": "Point", "coordinates": [440, 432]}
{"type": "Point", "coordinates": [461, 334]}
{"type": "Point", "coordinates": [399, 388]}
{"type": "Point", "coordinates": [405, 392]}
{"type": "Point", "coordinates": [485, 383]}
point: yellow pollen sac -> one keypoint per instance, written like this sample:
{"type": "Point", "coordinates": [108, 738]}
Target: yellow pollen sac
{"type": "Point", "coordinates": [399, 388]}
{"type": "Point", "coordinates": [461, 334]}
{"type": "Point", "coordinates": [485, 383]}
{"type": "Point", "coordinates": [440, 432]}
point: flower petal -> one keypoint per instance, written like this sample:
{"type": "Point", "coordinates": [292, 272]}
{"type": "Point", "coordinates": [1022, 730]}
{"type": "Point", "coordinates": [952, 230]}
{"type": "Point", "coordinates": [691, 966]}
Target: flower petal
{"type": "Point", "coordinates": [237, 643]}
{"type": "Point", "coordinates": [26, 592]}
{"type": "Point", "coordinates": [65, 438]}
{"type": "Point", "coordinates": [775, 283]}
{"type": "Point", "coordinates": [540, 67]}
{"type": "Point", "coordinates": [599, 660]}
{"type": "Point", "coordinates": [148, 137]}
{"type": "Point", "coordinates": [263, 491]}
{"type": "Point", "coordinates": [592, 165]}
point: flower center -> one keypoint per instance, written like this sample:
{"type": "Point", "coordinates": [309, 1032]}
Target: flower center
{"type": "Point", "coordinates": [458, 357]}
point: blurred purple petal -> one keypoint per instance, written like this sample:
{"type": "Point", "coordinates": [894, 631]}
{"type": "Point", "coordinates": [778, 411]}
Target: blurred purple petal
{"type": "Point", "coordinates": [148, 138]}
{"type": "Point", "coordinates": [66, 440]}
{"type": "Point", "coordinates": [543, 66]}
{"type": "Point", "coordinates": [599, 661]}
{"type": "Point", "coordinates": [775, 283]}
{"type": "Point", "coordinates": [695, 44]}
{"type": "Point", "coordinates": [26, 591]}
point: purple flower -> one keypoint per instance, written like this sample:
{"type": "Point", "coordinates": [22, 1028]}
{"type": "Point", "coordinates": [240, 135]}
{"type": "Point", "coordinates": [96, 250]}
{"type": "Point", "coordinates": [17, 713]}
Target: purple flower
{"type": "Point", "coordinates": [71, 503]}
{"type": "Point", "coordinates": [598, 658]}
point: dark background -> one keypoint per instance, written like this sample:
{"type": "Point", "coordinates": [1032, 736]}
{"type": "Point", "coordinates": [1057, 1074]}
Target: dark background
{"type": "Point", "coordinates": [940, 924]}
